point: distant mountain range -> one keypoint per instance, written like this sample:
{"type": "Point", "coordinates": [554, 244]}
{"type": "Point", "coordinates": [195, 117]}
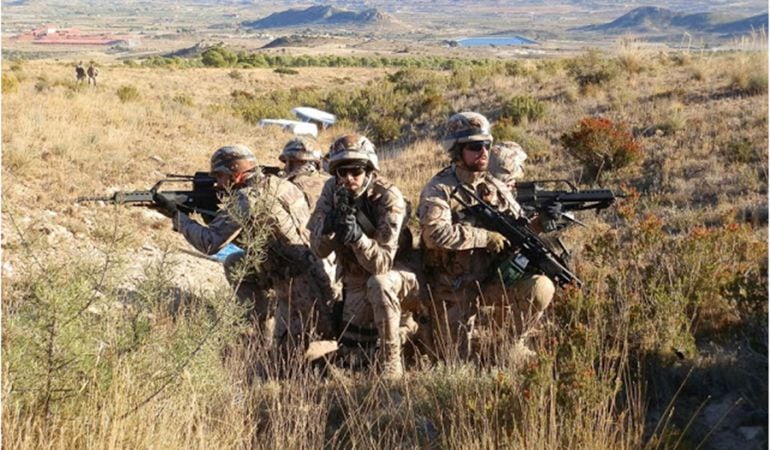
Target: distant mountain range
{"type": "Point", "coordinates": [650, 19]}
{"type": "Point", "coordinates": [319, 15]}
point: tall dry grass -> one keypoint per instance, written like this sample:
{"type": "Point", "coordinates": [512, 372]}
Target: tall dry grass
{"type": "Point", "coordinates": [132, 357]}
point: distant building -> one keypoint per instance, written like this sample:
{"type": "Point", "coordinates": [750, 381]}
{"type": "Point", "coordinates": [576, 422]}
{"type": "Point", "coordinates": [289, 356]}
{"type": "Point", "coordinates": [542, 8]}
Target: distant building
{"type": "Point", "coordinates": [53, 35]}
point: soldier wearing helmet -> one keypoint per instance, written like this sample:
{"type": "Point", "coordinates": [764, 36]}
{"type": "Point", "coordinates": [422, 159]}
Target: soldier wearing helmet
{"type": "Point", "coordinates": [302, 165]}
{"type": "Point", "coordinates": [267, 216]}
{"type": "Point", "coordinates": [361, 217]}
{"type": "Point", "coordinates": [506, 162]}
{"type": "Point", "coordinates": [461, 258]}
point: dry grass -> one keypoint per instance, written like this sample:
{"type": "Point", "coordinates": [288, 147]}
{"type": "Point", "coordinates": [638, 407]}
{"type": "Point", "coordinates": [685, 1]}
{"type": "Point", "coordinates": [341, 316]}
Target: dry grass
{"type": "Point", "coordinates": [652, 281]}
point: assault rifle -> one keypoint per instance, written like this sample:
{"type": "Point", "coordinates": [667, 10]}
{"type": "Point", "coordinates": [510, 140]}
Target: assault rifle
{"type": "Point", "coordinates": [532, 194]}
{"type": "Point", "coordinates": [533, 252]}
{"type": "Point", "coordinates": [202, 199]}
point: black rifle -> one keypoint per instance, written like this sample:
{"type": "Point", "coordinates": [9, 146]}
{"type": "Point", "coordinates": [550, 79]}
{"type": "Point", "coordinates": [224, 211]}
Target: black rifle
{"type": "Point", "coordinates": [202, 199]}
{"type": "Point", "coordinates": [532, 195]}
{"type": "Point", "coordinates": [533, 252]}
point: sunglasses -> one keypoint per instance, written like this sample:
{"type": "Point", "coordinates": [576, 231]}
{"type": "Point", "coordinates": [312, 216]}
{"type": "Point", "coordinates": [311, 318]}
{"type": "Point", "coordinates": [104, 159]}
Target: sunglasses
{"type": "Point", "coordinates": [343, 172]}
{"type": "Point", "coordinates": [478, 146]}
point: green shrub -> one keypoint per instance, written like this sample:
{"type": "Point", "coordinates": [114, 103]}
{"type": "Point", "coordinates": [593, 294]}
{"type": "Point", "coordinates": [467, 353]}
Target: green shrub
{"type": "Point", "coordinates": [505, 130]}
{"type": "Point", "coordinates": [183, 99]}
{"type": "Point", "coordinates": [286, 71]}
{"type": "Point", "coordinates": [10, 83]}
{"type": "Point", "coordinates": [601, 144]}
{"type": "Point", "coordinates": [235, 75]}
{"type": "Point", "coordinates": [741, 151]}
{"type": "Point", "coordinates": [127, 93]}
{"type": "Point", "coordinates": [523, 109]}
{"type": "Point", "coordinates": [218, 57]}
{"type": "Point", "coordinates": [592, 69]}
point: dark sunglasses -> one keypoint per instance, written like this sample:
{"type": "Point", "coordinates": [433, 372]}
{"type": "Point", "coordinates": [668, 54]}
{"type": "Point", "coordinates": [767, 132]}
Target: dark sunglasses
{"type": "Point", "coordinates": [478, 146]}
{"type": "Point", "coordinates": [343, 172]}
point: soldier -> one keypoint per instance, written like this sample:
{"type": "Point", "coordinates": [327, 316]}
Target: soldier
{"type": "Point", "coordinates": [302, 165]}
{"type": "Point", "coordinates": [506, 162]}
{"type": "Point", "coordinates": [460, 257]}
{"type": "Point", "coordinates": [267, 215]}
{"type": "Point", "coordinates": [80, 72]}
{"type": "Point", "coordinates": [92, 72]}
{"type": "Point", "coordinates": [361, 217]}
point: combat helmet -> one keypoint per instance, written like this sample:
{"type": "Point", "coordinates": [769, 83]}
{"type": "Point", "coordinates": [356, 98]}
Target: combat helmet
{"type": "Point", "coordinates": [465, 127]}
{"type": "Point", "coordinates": [506, 161]}
{"type": "Point", "coordinates": [301, 148]}
{"type": "Point", "coordinates": [233, 159]}
{"type": "Point", "coordinates": [351, 149]}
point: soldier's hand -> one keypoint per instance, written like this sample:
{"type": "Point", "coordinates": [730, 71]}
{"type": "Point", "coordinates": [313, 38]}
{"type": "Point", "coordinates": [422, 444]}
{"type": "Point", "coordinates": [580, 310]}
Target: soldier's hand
{"type": "Point", "coordinates": [164, 205]}
{"type": "Point", "coordinates": [495, 242]}
{"type": "Point", "coordinates": [348, 230]}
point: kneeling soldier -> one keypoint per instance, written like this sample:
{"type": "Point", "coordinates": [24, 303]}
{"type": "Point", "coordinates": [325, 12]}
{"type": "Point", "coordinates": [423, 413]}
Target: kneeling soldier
{"type": "Point", "coordinates": [361, 217]}
{"type": "Point", "coordinates": [267, 216]}
{"type": "Point", "coordinates": [463, 259]}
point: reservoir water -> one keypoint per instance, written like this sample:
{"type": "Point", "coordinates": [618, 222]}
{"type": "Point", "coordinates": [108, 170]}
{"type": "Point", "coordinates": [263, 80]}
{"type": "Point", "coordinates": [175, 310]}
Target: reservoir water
{"type": "Point", "coordinates": [494, 40]}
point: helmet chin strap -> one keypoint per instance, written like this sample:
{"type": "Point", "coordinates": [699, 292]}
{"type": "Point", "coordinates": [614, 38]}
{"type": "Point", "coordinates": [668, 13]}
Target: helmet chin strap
{"type": "Point", "coordinates": [364, 186]}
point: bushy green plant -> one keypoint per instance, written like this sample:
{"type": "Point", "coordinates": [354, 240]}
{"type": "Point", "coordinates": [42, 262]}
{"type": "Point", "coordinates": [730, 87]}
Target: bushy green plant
{"type": "Point", "coordinates": [504, 130]}
{"type": "Point", "coordinates": [286, 71]}
{"type": "Point", "coordinates": [218, 57]}
{"type": "Point", "coordinates": [601, 144]}
{"type": "Point", "coordinates": [127, 93]}
{"type": "Point", "coordinates": [523, 108]}
{"type": "Point", "coordinates": [741, 151]}
{"type": "Point", "coordinates": [10, 83]}
{"type": "Point", "coordinates": [592, 69]}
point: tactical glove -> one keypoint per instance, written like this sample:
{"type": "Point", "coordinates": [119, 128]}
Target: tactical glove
{"type": "Point", "coordinates": [348, 230]}
{"type": "Point", "coordinates": [164, 205]}
{"type": "Point", "coordinates": [495, 242]}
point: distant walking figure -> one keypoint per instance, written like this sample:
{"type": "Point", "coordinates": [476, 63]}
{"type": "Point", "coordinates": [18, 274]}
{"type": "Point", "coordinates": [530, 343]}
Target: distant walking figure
{"type": "Point", "coordinates": [80, 72]}
{"type": "Point", "coordinates": [92, 73]}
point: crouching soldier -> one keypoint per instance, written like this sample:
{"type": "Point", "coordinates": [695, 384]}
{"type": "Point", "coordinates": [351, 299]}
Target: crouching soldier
{"type": "Point", "coordinates": [361, 217]}
{"type": "Point", "coordinates": [462, 258]}
{"type": "Point", "coordinates": [267, 216]}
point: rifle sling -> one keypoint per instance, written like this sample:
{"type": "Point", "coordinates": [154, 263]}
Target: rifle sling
{"type": "Point", "coordinates": [366, 224]}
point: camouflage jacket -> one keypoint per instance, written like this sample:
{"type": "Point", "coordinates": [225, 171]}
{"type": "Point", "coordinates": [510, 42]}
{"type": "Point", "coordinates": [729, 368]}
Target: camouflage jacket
{"type": "Point", "coordinates": [454, 247]}
{"type": "Point", "coordinates": [310, 181]}
{"type": "Point", "coordinates": [268, 208]}
{"type": "Point", "coordinates": [375, 253]}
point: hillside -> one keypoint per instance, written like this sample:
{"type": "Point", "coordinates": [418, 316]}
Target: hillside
{"type": "Point", "coordinates": [116, 334]}
{"type": "Point", "coordinates": [654, 20]}
{"type": "Point", "coordinates": [319, 16]}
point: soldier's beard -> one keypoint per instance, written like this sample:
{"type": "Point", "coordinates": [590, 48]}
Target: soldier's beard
{"type": "Point", "coordinates": [478, 165]}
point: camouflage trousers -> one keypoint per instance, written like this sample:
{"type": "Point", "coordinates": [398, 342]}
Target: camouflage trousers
{"type": "Point", "coordinates": [282, 310]}
{"type": "Point", "coordinates": [454, 311]}
{"type": "Point", "coordinates": [372, 301]}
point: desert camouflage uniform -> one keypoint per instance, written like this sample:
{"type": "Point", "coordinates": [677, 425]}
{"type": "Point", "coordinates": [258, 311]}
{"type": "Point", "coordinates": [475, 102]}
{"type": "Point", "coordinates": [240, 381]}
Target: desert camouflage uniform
{"type": "Point", "coordinates": [297, 277]}
{"type": "Point", "coordinates": [460, 271]}
{"type": "Point", "coordinates": [506, 162]}
{"type": "Point", "coordinates": [310, 181]}
{"type": "Point", "coordinates": [375, 283]}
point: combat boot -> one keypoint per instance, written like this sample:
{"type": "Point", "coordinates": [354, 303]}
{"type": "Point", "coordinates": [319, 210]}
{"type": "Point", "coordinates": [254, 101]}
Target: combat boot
{"type": "Point", "coordinates": [390, 348]}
